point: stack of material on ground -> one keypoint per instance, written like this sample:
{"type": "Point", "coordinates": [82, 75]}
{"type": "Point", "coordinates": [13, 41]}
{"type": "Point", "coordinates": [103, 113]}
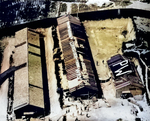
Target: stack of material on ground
{"type": "Point", "coordinates": [126, 76]}
{"type": "Point", "coordinates": [28, 85]}
{"type": "Point", "coordinates": [77, 63]}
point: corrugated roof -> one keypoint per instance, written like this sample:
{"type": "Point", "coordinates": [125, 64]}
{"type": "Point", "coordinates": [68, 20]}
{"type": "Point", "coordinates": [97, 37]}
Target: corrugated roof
{"type": "Point", "coordinates": [72, 37]}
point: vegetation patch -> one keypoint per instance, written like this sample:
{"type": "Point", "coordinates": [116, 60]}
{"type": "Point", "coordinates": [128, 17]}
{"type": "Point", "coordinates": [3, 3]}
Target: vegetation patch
{"type": "Point", "coordinates": [105, 40]}
{"type": "Point", "coordinates": [84, 8]}
{"type": "Point", "coordinates": [107, 36]}
{"type": "Point", "coordinates": [53, 7]}
{"type": "Point", "coordinates": [63, 7]}
{"type": "Point", "coordinates": [74, 8]}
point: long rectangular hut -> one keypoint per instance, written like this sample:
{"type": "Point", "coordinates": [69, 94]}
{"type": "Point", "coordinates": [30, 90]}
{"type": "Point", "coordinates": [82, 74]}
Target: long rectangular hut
{"type": "Point", "coordinates": [81, 79]}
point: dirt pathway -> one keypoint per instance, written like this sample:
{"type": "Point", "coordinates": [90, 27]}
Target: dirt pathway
{"type": "Point", "coordinates": [57, 6]}
{"type": "Point", "coordinates": [54, 97]}
{"type": "Point", "coordinates": [68, 8]}
{"type": "Point", "coordinates": [4, 86]}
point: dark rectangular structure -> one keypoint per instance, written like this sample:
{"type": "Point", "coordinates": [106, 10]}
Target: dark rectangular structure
{"type": "Point", "coordinates": [119, 65]}
{"type": "Point", "coordinates": [126, 76]}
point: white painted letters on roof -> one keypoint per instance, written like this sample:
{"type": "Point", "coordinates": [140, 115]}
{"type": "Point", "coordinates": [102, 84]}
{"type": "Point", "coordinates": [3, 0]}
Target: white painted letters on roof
{"type": "Point", "coordinates": [123, 65]}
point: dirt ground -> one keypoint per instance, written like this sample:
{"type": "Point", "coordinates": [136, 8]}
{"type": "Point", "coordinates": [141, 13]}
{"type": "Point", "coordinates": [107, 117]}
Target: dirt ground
{"type": "Point", "coordinates": [109, 89]}
{"type": "Point", "coordinates": [105, 39]}
{"type": "Point", "coordinates": [54, 96]}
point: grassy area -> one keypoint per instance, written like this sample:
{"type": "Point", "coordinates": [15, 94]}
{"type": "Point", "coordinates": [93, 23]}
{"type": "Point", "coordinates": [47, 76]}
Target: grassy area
{"type": "Point", "coordinates": [106, 38]}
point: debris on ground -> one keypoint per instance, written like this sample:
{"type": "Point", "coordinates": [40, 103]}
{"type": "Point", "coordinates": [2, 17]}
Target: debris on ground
{"type": "Point", "coordinates": [135, 102]}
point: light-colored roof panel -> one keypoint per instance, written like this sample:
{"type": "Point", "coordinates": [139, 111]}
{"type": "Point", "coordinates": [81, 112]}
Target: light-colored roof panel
{"type": "Point", "coordinates": [21, 76]}
{"type": "Point", "coordinates": [36, 96]}
{"type": "Point", "coordinates": [21, 94]}
{"type": "Point", "coordinates": [35, 70]}
{"type": "Point", "coordinates": [21, 36]}
{"type": "Point", "coordinates": [20, 55]}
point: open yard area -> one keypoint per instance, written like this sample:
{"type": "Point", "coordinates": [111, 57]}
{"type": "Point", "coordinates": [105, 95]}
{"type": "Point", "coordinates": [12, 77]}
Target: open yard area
{"type": "Point", "coordinates": [105, 38]}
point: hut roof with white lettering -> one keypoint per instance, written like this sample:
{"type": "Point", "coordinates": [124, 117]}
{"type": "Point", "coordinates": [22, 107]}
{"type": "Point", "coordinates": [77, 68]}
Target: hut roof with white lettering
{"type": "Point", "coordinates": [124, 72]}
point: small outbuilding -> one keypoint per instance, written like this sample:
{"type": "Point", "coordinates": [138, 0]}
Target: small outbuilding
{"type": "Point", "coordinates": [125, 75]}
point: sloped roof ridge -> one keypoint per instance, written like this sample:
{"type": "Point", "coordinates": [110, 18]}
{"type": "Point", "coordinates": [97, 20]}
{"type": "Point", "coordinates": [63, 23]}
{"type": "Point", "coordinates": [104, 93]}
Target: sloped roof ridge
{"type": "Point", "coordinates": [70, 17]}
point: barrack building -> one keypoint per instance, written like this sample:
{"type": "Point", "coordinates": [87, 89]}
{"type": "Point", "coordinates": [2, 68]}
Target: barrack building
{"type": "Point", "coordinates": [80, 75]}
